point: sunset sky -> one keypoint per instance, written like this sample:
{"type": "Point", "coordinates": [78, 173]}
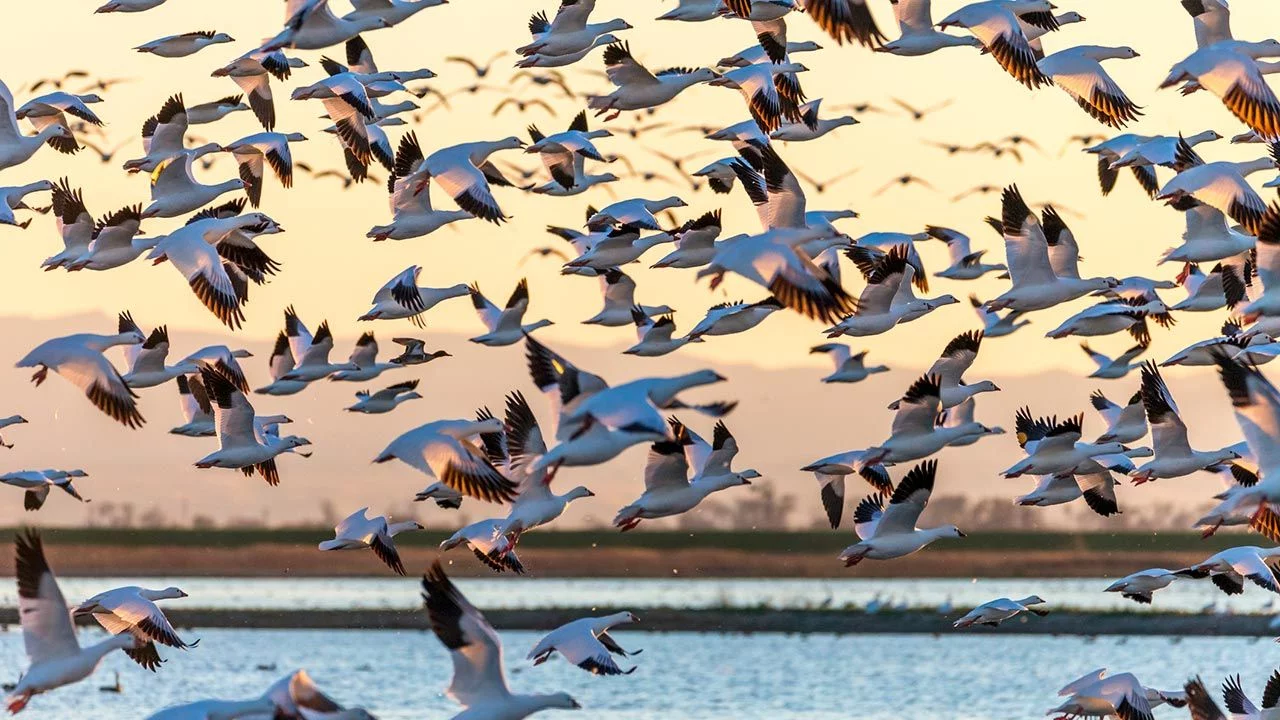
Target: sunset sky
{"type": "Point", "coordinates": [331, 270]}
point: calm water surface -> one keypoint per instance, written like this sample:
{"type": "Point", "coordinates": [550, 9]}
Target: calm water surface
{"type": "Point", "coordinates": [398, 675]}
{"type": "Point", "coordinates": [512, 592]}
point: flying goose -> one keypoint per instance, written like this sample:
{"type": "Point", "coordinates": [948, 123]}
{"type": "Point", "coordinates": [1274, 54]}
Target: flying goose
{"type": "Point", "coordinates": [56, 658]}
{"type": "Point", "coordinates": [443, 496]}
{"type": "Point", "coordinates": [1230, 568]}
{"type": "Point", "coordinates": [1079, 72]}
{"type": "Point", "coordinates": [885, 533]}
{"type": "Point", "coordinates": [252, 73]}
{"type": "Point", "coordinates": [569, 32]}
{"type": "Point", "coordinates": [1097, 489]}
{"type": "Point", "coordinates": [635, 212]}
{"type": "Point", "coordinates": [444, 450]}
{"type": "Point", "coordinates": [1053, 447]}
{"type": "Point", "coordinates": [759, 86]}
{"type": "Point", "coordinates": [1220, 185]}
{"type": "Point", "coordinates": [401, 297]}
{"type": "Point", "coordinates": [693, 11]}
{"type": "Point", "coordinates": [79, 359]}
{"type": "Point", "coordinates": [392, 12]}
{"type": "Point", "coordinates": [637, 88]}
{"type": "Point", "coordinates": [269, 148]}
{"type": "Point", "coordinates": [1101, 695]}
{"type": "Point", "coordinates": [311, 25]}
{"type": "Point", "coordinates": [1162, 150]}
{"type": "Point", "coordinates": [994, 324]}
{"type": "Point", "coordinates": [997, 611]}
{"type": "Point", "coordinates": [487, 543]}
{"type": "Point", "coordinates": [1111, 151]}
{"type": "Point", "coordinates": [850, 368]}
{"type": "Point", "coordinates": [732, 318]}
{"type": "Point", "coordinates": [1207, 238]}
{"type": "Point", "coordinates": [196, 410]}
{"type": "Point", "coordinates": [504, 326]}
{"type": "Point", "coordinates": [53, 109]}
{"type": "Point", "coordinates": [241, 443]}
{"type": "Point", "coordinates": [219, 283]}
{"type": "Point", "coordinates": [1114, 368]}
{"type": "Point", "coordinates": [668, 488]}
{"type": "Point", "coordinates": [311, 352]}
{"type": "Point", "coordinates": [364, 358]}
{"type": "Point", "coordinates": [1239, 704]}
{"type": "Point", "coordinates": [915, 433]}
{"type": "Point", "coordinates": [13, 199]}
{"type": "Point", "coordinates": [411, 210]}
{"type": "Point", "coordinates": [175, 190]}
{"type": "Point", "coordinates": [1113, 316]}
{"type": "Point", "coordinates": [1223, 286]}
{"type": "Point", "coordinates": [956, 359]}
{"type": "Point", "coordinates": [38, 483]}
{"type": "Point", "coordinates": [415, 352]}
{"type": "Point", "coordinates": [358, 532]}
{"type": "Point", "coordinates": [75, 225]}
{"type": "Point", "coordinates": [1127, 424]}
{"type": "Point", "coordinates": [176, 46]}
{"type": "Point", "coordinates": [656, 337]}
{"type": "Point", "coordinates": [16, 148]}
{"type": "Point", "coordinates": [132, 611]}
{"type": "Point", "coordinates": [385, 400]}
{"type": "Point", "coordinates": [965, 264]}
{"type": "Point", "coordinates": [215, 110]}
{"type": "Point", "coordinates": [619, 292]}
{"type": "Point", "coordinates": [146, 362]}
{"type": "Point", "coordinates": [164, 136]}
{"type": "Point", "coordinates": [810, 126]}
{"type": "Point", "coordinates": [1174, 456]}
{"type": "Point", "coordinates": [586, 642]}
{"type": "Point", "coordinates": [466, 174]}
{"type": "Point", "coordinates": [1230, 71]}
{"type": "Point", "coordinates": [998, 26]}
{"type": "Point", "coordinates": [918, 36]}
{"type": "Point", "coordinates": [9, 422]}
{"type": "Point", "coordinates": [876, 310]}
{"type": "Point", "coordinates": [1140, 586]}
{"type": "Point", "coordinates": [115, 242]}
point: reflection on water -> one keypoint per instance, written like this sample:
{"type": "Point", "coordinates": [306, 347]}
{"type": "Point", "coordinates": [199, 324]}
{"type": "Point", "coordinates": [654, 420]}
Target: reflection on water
{"type": "Point", "coordinates": [399, 675]}
{"type": "Point", "coordinates": [512, 592]}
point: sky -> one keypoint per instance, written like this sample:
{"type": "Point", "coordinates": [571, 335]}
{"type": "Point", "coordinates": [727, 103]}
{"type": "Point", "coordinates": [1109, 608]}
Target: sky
{"type": "Point", "coordinates": [331, 270]}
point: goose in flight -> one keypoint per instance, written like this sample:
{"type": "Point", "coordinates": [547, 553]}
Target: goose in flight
{"type": "Point", "coordinates": [1239, 704]}
{"type": "Point", "coordinates": [415, 352]}
{"type": "Point", "coordinates": [10, 422]}
{"type": "Point", "coordinates": [54, 109]}
{"type": "Point", "coordinates": [220, 284]}
{"type": "Point", "coordinates": [364, 359]}
{"type": "Point", "coordinates": [132, 611]}
{"type": "Point", "coordinates": [485, 540]}
{"type": "Point", "coordinates": [916, 432]}
{"type": "Point", "coordinates": [176, 46]}
{"type": "Point", "coordinates": [1097, 489]}
{"type": "Point", "coordinates": [1053, 447]}
{"type": "Point", "coordinates": [311, 25]}
{"type": "Point", "coordinates": [504, 326]}
{"type": "Point", "coordinates": [358, 531]}
{"type": "Point", "coordinates": [479, 682]}
{"type": "Point", "coordinates": [997, 611]}
{"type": "Point", "coordinates": [956, 359]}
{"type": "Point", "coordinates": [656, 337]}
{"type": "Point", "coordinates": [734, 317]}
{"type": "Point", "coordinates": [639, 89]}
{"type": "Point", "coordinates": [1230, 568]}
{"type": "Point", "coordinates": [79, 358]}
{"type": "Point", "coordinates": [1109, 368]}
{"type": "Point", "coordinates": [619, 292]}
{"type": "Point", "coordinates": [265, 148]}
{"type": "Point", "coordinates": [115, 242]}
{"type": "Point", "coordinates": [252, 73]}
{"type": "Point", "coordinates": [411, 210]}
{"type": "Point", "coordinates": [444, 450]}
{"type": "Point", "coordinates": [586, 642]}
{"type": "Point", "coordinates": [1140, 586]}
{"type": "Point", "coordinates": [444, 496]}
{"type": "Point", "coordinates": [385, 400]}
{"type": "Point", "coordinates": [281, 363]}
{"type": "Point", "coordinates": [75, 225]}
{"type": "Point", "coordinates": [1174, 456]}
{"type": "Point", "coordinates": [994, 324]}
{"type": "Point", "coordinates": [146, 362]}
{"type": "Point", "coordinates": [197, 413]}
{"type": "Point", "coordinates": [164, 137]}
{"type": "Point", "coordinates": [918, 36]}
{"type": "Point", "coordinates": [1125, 424]}
{"type": "Point", "coordinates": [1101, 695]}
{"type": "Point", "coordinates": [1223, 187]}
{"type": "Point", "coordinates": [392, 12]}
{"type": "Point", "coordinates": [1079, 72]}
{"type": "Point", "coordinates": [1231, 71]}
{"type": "Point", "coordinates": [466, 174]}
{"type": "Point", "coordinates": [12, 198]}
{"type": "Point", "coordinates": [830, 473]}
{"type": "Point", "coordinates": [965, 264]}
{"type": "Point", "coordinates": [38, 483]}
{"type": "Point", "coordinates": [401, 297]}
{"type": "Point", "coordinates": [16, 148]}
{"type": "Point", "coordinates": [215, 110]}
{"type": "Point", "coordinates": [998, 24]}
{"type": "Point", "coordinates": [850, 368]}
{"type": "Point", "coordinates": [1223, 286]}
{"type": "Point", "coordinates": [55, 656]}
{"type": "Point", "coordinates": [885, 533]}
{"type": "Point", "coordinates": [242, 445]}
{"type": "Point", "coordinates": [175, 190]}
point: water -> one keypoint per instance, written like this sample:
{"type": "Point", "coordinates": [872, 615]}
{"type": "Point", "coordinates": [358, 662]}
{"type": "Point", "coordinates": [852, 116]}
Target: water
{"type": "Point", "coordinates": [532, 593]}
{"type": "Point", "coordinates": [399, 675]}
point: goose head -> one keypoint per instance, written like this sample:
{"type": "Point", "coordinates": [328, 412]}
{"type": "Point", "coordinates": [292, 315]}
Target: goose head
{"type": "Point", "coordinates": [220, 38]}
{"type": "Point", "coordinates": [950, 531]}
{"type": "Point", "coordinates": [169, 593]}
{"type": "Point", "coordinates": [561, 701]}
{"type": "Point", "coordinates": [614, 25]}
{"type": "Point", "coordinates": [1263, 48]}
{"type": "Point", "coordinates": [578, 492]}
{"type": "Point", "coordinates": [293, 441]}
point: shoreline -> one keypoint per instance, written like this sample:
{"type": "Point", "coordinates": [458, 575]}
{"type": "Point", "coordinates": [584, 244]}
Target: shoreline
{"type": "Point", "coordinates": [1061, 622]}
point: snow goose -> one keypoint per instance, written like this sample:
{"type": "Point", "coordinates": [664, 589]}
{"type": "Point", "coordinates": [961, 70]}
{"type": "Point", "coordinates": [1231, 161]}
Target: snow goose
{"type": "Point", "coordinates": [346, 102]}
{"type": "Point", "coordinates": [269, 148]}
{"type": "Point", "coordinates": [1230, 71]}
{"type": "Point", "coordinates": [573, 178]}
{"type": "Point", "coordinates": [998, 26]}
{"type": "Point", "coordinates": [10, 422]}
{"type": "Point", "coordinates": [227, 359]}
{"type": "Point", "coordinates": [55, 654]}
{"type": "Point", "coordinates": [163, 136]}
{"type": "Point", "coordinates": [12, 198]}
{"type": "Point", "coordinates": [358, 532]}
{"type": "Point", "coordinates": [444, 496]}
{"type": "Point", "coordinates": [619, 292]}
{"type": "Point", "coordinates": [487, 543]}
{"type": "Point", "coordinates": [215, 110]}
{"type": "Point", "coordinates": [637, 212]}
{"type": "Point", "coordinates": [734, 317]}
{"type": "Point", "coordinates": [1112, 150]}
{"type": "Point", "coordinates": [1113, 316]}
{"type": "Point", "coordinates": [54, 108]}
{"type": "Point", "coordinates": [617, 246]}
{"type": "Point", "coordinates": [1256, 405]}
{"type": "Point", "coordinates": [846, 21]}
{"type": "Point", "coordinates": [176, 46]}
{"type": "Point", "coordinates": [1127, 424]}
{"type": "Point", "coordinates": [771, 260]}
{"type": "Point", "coordinates": [79, 359]}
{"type": "Point", "coordinates": [1079, 72]}
{"type": "Point", "coordinates": [1223, 286]}
{"type": "Point", "coordinates": [241, 445]}
{"type": "Point", "coordinates": [415, 352]}
{"type": "Point", "coordinates": [1097, 489]}
{"type": "Point", "coordinates": [175, 190]}
{"type": "Point", "coordinates": [569, 32]}
{"type": "Point", "coordinates": [1266, 263]}
{"type": "Point", "coordinates": [364, 359]}
{"type": "Point", "coordinates": [830, 473]}
{"type": "Point", "coordinates": [1162, 150]}
{"type": "Point", "coordinates": [1233, 342]}
{"type": "Point", "coordinates": [38, 483]}
{"type": "Point", "coordinates": [1036, 285]}
{"type": "Point", "coordinates": [218, 283]}
{"type": "Point", "coordinates": [995, 325]}
{"type": "Point", "coordinates": [885, 533]}
{"type": "Point", "coordinates": [668, 489]}
{"type": "Point", "coordinates": [1230, 568]}
{"type": "Point", "coordinates": [196, 410]}
{"type": "Point", "coordinates": [311, 25]}
{"type": "Point", "coordinates": [810, 126]}
{"type": "Point", "coordinates": [282, 362]}
{"type": "Point", "coordinates": [656, 337]}
{"type": "Point", "coordinates": [695, 242]}
{"type": "Point", "coordinates": [1100, 695]}
{"type": "Point", "coordinates": [1174, 457]}
{"type": "Point", "coordinates": [759, 86]}
{"type": "Point", "coordinates": [540, 60]}
{"type": "Point", "coordinates": [16, 148]}
{"type": "Point", "coordinates": [385, 400]}
{"type": "Point", "coordinates": [132, 611]}
{"type": "Point", "coordinates": [1222, 186]}
{"type": "Point", "coordinates": [115, 241]}
{"type": "Point", "coordinates": [915, 433]}
{"type": "Point", "coordinates": [504, 326]}
{"type": "Point", "coordinates": [693, 11]}
{"type": "Point", "coordinates": [479, 680]}
{"type": "Point", "coordinates": [918, 37]}
{"type": "Point", "coordinates": [444, 450]}
{"type": "Point", "coordinates": [129, 6]}
{"type": "Point", "coordinates": [1140, 586]}
{"type": "Point", "coordinates": [1113, 368]}
{"type": "Point", "coordinates": [146, 362]}
{"type": "Point", "coordinates": [1054, 447]}
{"type": "Point", "coordinates": [1239, 704]}
{"type": "Point", "coordinates": [401, 297]}
{"type": "Point", "coordinates": [252, 73]}
{"type": "Point", "coordinates": [465, 173]}
{"type": "Point", "coordinates": [874, 311]}
{"type": "Point", "coordinates": [637, 88]}
{"type": "Point", "coordinates": [75, 225]}
{"type": "Point", "coordinates": [586, 643]}
{"type": "Point", "coordinates": [965, 264]}
{"type": "Point", "coordinates": [962, 415]}
{"type": "Point", "coordinates": [997, 611]}
{"type": "Point", "coordinates": [956, 359]}
{"type": "Point", "coordinates": [312, 352]}
{"type": "Point", "coordinates": [850, 368]}
{"type": "Point", "coordinates": [411, 210]}
{"type": "Point", "coordinates": [392, 12]}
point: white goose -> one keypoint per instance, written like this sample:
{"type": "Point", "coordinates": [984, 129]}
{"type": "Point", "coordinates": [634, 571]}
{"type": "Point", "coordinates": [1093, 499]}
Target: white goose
{"type": "Point", "coordinates": [734, 317]}
{"type": "Point", "coordinates": [219, 284]}
{"type": "Point", "coordinates": [175, 190]}
{"type": "Point", "coordinates": [771, 260]}
{"type": "Point", "coordinates": [392, 12]}
{"type": "Point", "coordinates": [1222, 186]}
{"type": "Point", "coordinates": [215, 110]}
{"type": "Point", "coordinates": [655, 338]}
{"type": "Point", "coordinates": [385, 400]}
{"type": "Point", "coordinates": [16, 148]}
{"type": "Point", "coordinates": [443, 496]}
{"type": "Point", "coordinates": [619, 292]}
{"type": "Point", "coordinates": [132, 611]}
{"type": "Point", "coordinates": [487, 543]}
{"type": "Point", "coordinates": [1097, 489]}
{"type": "Point", "coordinates": [401, 297]}
{"type": "Point", "coordinates": [830, 473]}
{"type": "Point", "coordinates": [1127, 424]}
{"type": "Point", "coordinates": [241, 444]}
{"type": "Point", "coordinates": [312, 352]}
{"type": "Point", "coordinates": [12, 199]}
{"type": "Point", "coordinates": [504, 326]}
{"type": "Point", "coordinates": [586, 643]}
{"type": "Point", "coordinates": [56, 658]}
{"type": "Point", "coordinates": [876, 310]}
{"type": "Point", "coordinates": [1267, 267]}
{"type": "Point", "coordinates": [569, 31]}
{"type": "Point", "coordinates": [444, 450]}
{"type": "Point", "coordinates": [1113, 316]}
{"type": "Point", "coordinates": [281, 363]}
{"type": "Point", "coordinates": [79, 359]}
{"type": "Point", "coordinates": [885, 533]}
{"type": "Point", "coordinates": [411, 210]}
{"type": "Point", "coordinates": [1054, 448]}
{"type": "Point", "coordinates": [997, 611]}
{"type": "Point", "coordinates": [639, 89]}
{"type": "Point", "coordinates": [759, 86]}
{"type": "Point", "coordinates": [1100, 695]}
{"type": "Point", "coordinates": [115, 241]}
{"type": "Point", "coordinates": [252, 73]}
{"type": "Point", "coordinates": [197, 413]}
{"type": "Point", "coordinates": [1174, 456]}
{"type": "Point", "coordinates": [311, 25]}
{"type": "Point", "coordinates": [810, 126]}
{"type": "Point", "coordinates": [10, 422]}
{"type": "Point", "coordinates": [364, 359]}
{"type": "Point", "coordinates": [918, 37]}
{"type": "Point", "coordinates": [146, 362]}
{"type": "Point", "coordinates": [358, 532]}
{"type": "Point", "coordinates": [1230, 71]}
{"type": "Point", "coordinates": [1109, 368]}
{"type": "Point", "coordinates": [465, 173]}
{"type": "Point", "coordinates": [75, 225]}
{"type": "Point", "coordinates": [38, 483]}
{"type": "Point", "coordinates": [995, 325]}
{"type": "Point", "coordinates": [956, 359]}
{"type": "Point", "coordinates": [965, 264]}
{"type": "Point", "coordinates": [176, 46]}
{"type": "Point", "coordinates": [850, 368]}
{"type": "Point", "coordinates": [915, 433]}
{"type": "Point", "coordinates": [479, 679]}
{"type": "Point", "coordinates": [636, 212]}
{"type": "Point", "coordinates": [1140, 586]}
{"type": "Point", "coordinates": [1231, 567]}
{"type": "Point", "coordinates": [1223, 286]}
{"type": "Point", "coordinates": [997, 24]}
{"type": "Point", "coordinates": [1079, 72]}
{"type": "Point", "coordinates": [266, 148]}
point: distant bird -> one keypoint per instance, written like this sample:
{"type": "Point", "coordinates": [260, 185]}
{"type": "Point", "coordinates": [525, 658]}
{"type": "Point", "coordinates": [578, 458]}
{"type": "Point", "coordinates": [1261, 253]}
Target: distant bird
{"type": "Point", "coordinates": [505, 326]}
{"type": "Point", "coordinates": [415, 352]}
{"type": "Point", "coordinates": [1140, 586]}
{"type": "Point", "coordinates": [885, 533]}
{"type": "Point", "coordinates": [79, 358]}
{"type": "Point", "coordinates": [997, 611]}
{"type": "Point", "coordinates": [358, 531]}
{"type": "Point", "coordinates": [176, 46]}
{"type": "Point", "coordinates": [850, 368]}
{"type": "Point", "coordinates": [1114, 368]}
{"type": "Point", "coordinates": [586, 642]}
{"type": "Point", "coordinates": [919, 114]}
{"type": "Point", "coordinates": [387, 399]}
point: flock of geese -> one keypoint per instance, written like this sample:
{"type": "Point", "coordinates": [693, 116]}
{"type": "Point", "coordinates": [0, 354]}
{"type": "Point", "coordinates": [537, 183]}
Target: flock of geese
{"type": "Point", "coordinates": [1229, 256]}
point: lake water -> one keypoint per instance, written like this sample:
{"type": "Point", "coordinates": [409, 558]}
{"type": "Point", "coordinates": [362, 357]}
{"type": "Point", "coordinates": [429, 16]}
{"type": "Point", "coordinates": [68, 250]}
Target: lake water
{"type": "Point", "coordinates": [512, 593]}
{"type": "Point", "coordinates": [399, 675]}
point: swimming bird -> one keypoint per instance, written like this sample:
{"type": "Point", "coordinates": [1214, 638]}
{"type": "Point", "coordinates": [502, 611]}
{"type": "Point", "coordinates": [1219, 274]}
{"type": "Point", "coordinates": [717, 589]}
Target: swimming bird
{"type": "Point", "coordinates": [385, 400]}
{"type": "Point", "coordinates": [55, 656]}
{"type": "Point", "coordinates": [997, 611]}
{"type": "Point", "coordinates": [586, 642]}
{"type": "Point", "coordinates": [479, 680]}
{"type": "Point", "coordinates": [401, 297]}
{"type": "Point", "coordinates": [79, 358]}
{"type": "Point", "coordinates": [885, 533]}
{"type": "Point", "coordinates": [132, 611]}
{"type": "Point", "coordinates": [358, 531]}
{"type": "Point", "coordinates": [850, 368]}
{"type": "Point", "coordinates": [505, 326]}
